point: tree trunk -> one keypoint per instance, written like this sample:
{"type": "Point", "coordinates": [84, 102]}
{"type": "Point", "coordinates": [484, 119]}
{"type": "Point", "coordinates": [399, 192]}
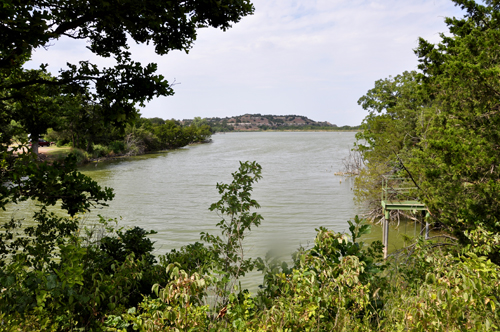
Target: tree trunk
{"type": "Point", "coordinates": [34, 143]}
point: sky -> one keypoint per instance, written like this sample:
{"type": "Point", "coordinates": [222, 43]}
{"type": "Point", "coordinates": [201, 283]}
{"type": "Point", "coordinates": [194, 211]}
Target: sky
{"type": "Point", "coordinates": [305, 57]}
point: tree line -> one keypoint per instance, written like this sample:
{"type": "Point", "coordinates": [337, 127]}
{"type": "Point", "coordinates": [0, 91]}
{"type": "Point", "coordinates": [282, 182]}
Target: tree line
{"type": "Point", "coordinates": [79, 122]}
{"type": "Point", "coordinates": [138, 137]}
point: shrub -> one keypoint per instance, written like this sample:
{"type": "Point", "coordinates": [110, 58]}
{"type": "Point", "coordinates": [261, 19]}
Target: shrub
{"type": "Point", "coordinates": [63, 282]}
{"type": "Point", "coordinates": [331, 287]}
{"type": "Point", "coordinates": [99, 150]}
{"type": "Point", "coordinates": [63, 142]}
{"type": "Point", "coordinates": [81, 156]}
{"type": "Point", "coordinates": [436, 289]}
{"type": "Point", "coordinates": [117, 147]}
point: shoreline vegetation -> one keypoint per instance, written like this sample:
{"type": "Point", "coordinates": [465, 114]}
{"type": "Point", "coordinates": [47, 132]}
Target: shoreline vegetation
{"type": "Point", "coordinates": [140, 137]}
{"type": "Point", "coordinates": [294, 130]}
{"type": "Point", "coordinates": [61, 153]}
{"type": "Point", "coordinates": [151, 135]}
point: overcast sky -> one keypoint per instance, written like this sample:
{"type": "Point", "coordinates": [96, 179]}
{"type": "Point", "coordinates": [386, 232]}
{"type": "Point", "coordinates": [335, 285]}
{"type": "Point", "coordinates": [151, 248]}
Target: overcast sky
{"type": "Point", "coordinates": [306, 57]}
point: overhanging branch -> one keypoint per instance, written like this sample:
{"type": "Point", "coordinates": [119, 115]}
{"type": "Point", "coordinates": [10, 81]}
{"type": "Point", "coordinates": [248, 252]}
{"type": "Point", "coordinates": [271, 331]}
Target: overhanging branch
{"type": "Point", "coordinates": [49, 82]}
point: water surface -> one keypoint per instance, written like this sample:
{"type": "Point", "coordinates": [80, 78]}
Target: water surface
{"type": "Point", "coordinates": [171, 192]}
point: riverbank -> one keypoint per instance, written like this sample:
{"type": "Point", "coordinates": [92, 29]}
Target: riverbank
{"type": "Point", "coordinates": [54, 153]}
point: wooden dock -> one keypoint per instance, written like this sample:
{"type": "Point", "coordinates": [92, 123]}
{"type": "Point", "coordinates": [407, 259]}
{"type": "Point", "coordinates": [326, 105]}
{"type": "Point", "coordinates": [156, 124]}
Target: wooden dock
{"type": "Point", "coordinates": [391, 200]}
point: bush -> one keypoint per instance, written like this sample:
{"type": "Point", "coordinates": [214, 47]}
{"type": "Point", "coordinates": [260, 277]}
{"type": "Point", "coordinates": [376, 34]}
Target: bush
{"type": "Point", "coordinates": [63, 142]}
{"type": "Point", "coordinates": [333, 286]}
{"type": "Point", "coordinates": [81, 156]}
{"type": "Point", "coordinates": [99, 150]}
{"type": "Point", "coordinates": [192, 258]}
{"type": "Point", "coordinates": [435, 289]}
{"type": "Point", "coordinates": [65, 282]}
{"type": "Point", "coordinates": [117, 147]}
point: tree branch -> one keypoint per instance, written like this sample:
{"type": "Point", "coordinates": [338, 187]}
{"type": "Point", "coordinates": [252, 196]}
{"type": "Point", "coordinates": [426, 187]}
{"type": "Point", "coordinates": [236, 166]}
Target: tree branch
{"type": "Point", "coordinates": [63, 27]}
{"type": "Point", "coordinates": [407, 171]}
{"type": "Point", "coordinates": [48, 82]}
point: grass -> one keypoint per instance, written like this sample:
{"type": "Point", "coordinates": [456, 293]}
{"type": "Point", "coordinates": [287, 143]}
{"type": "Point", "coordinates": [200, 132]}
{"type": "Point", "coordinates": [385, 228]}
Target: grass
{"type": "Point", "coordinates": [56, 153]}
{"type": "Point", "coordinates": [53, 153]}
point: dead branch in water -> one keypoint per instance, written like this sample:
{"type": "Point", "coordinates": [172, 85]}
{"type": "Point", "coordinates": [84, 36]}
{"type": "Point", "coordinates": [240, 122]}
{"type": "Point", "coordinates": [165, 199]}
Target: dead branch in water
{"type": "Point", "coordinates": [353, 163]}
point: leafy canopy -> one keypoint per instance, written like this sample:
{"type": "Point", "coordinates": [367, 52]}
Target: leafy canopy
{"type": "Point", "coordinates": [442, 125]}
{"type": "Point", "coordinates": [108, 27]}
{"type": "Point", "coordinates": [460, 156]}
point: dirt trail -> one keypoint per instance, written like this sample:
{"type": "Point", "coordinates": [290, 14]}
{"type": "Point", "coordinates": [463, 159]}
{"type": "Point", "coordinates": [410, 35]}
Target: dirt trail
{"type": "Point", "coordinates": [41, 149]}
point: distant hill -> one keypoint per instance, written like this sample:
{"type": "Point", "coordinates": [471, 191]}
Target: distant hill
{"type": "Point", "coordinates": [255, 122]}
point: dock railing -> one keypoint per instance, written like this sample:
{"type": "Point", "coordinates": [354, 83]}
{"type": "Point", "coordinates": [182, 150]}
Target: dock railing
{"type": "Point", "coordinates": [395, 187]}
{"type": "Point", "coordinates": [395, 196]}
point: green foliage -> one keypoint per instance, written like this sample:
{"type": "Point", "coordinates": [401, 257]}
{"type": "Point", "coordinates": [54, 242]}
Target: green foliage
{"type": "Point", "coordinates": [35, 108]}
{"type": "Point", "coordinates": [234, 208]}
{"type": "Point", "coordinates": [174, 308]}
{"type": "Point", "coordinates": [460, 177]}
{"type": "Point", "coordinates": [172, 135]}
{"type": "Point", "coordinates": [329, 288]}
{"type": "Point", "coordinates": [49, 183]}
{"type": "Point", "coordinates": [440, 290]}
{"type": "Point", "coordinates": [100, 151]}
{"type": "Point", "coordinates": [108, 279]}
{"type": "Point", "coordinates": [132, 241]}
{"type": "Point", "coordinates": [390, 136]}
{"type": "Point", "coordinates": [169, 26]}
{"type": "Point", "coordinates": [36, 245]}
{"type": "Point", "coordinates": [117, 147]}
{"type": "Point", "coordinates": [483, 242]}
{"type": "Point", "coordinates": [80, 156]}
{"type": "Point", "coordinates": [61, 281]}
{"type": "Point", "coordinates": [84, 128]}
{"type": "Point", "coordinates": [330, 248]}
{"type": "Point", "coordinates": [440, 127]}
{"type": "Point", "coordinates": [192, 258]}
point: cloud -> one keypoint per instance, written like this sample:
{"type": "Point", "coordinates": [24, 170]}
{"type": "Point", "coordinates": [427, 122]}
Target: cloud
{"type": "Point", "coordinates": [314, 58]}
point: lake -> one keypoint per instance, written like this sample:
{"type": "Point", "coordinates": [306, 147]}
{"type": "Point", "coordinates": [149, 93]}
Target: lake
{"type": "Point", "coordinates": [170, 192]}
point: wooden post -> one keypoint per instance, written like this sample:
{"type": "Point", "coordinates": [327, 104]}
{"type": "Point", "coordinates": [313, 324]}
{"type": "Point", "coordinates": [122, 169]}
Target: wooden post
{"type": "Point", "coordinates": [421, 224]}
{"type": "Point", "coordinates": [383, 230]}
{"type": "Point", "coordinates": [386, 233]}
{"type": "Point", "coordinates": [426, 225]}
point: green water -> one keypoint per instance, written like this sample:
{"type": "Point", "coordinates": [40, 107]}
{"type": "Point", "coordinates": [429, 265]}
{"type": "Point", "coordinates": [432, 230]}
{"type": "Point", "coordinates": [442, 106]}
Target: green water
{"type": "Point", "coordinates": [171, 192]}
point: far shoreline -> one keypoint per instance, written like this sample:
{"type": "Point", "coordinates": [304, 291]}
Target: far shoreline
{"type": "Point", "coordinates": [289, 130]}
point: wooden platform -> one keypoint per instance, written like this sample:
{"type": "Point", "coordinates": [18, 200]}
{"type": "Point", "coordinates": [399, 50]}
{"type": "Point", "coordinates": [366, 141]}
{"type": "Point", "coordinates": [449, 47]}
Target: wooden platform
{"type": "Point", "coordinates": [403, 205]}
{"type": "Point", "coordinates": [400, 187]}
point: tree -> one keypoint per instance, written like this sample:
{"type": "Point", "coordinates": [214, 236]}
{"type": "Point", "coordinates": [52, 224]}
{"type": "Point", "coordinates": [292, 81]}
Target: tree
{"type": "Point", "coordinates": [170, 134]}
{"type": "Point", "coordinates": [108, 27]}
{"type": "Point", "coordinates": [39, 107]}
{"type": "Point", "coordinates": [82, 122]}
{"type": "Point", "coordinates": [443, 126]}
{"type": "Point", "coordinates": [234, 209]}
{"type": "Point", "coordinates": [156, 121]}
{"type": "Point", "coordinates": [397, 121]}
{"type": "Point", "coordinates": [460, 158]}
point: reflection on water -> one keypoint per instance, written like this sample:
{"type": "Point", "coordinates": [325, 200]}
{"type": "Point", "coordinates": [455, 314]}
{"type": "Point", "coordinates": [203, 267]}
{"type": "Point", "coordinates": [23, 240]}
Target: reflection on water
{"type": "Point", "coordinates": [171, 192]}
